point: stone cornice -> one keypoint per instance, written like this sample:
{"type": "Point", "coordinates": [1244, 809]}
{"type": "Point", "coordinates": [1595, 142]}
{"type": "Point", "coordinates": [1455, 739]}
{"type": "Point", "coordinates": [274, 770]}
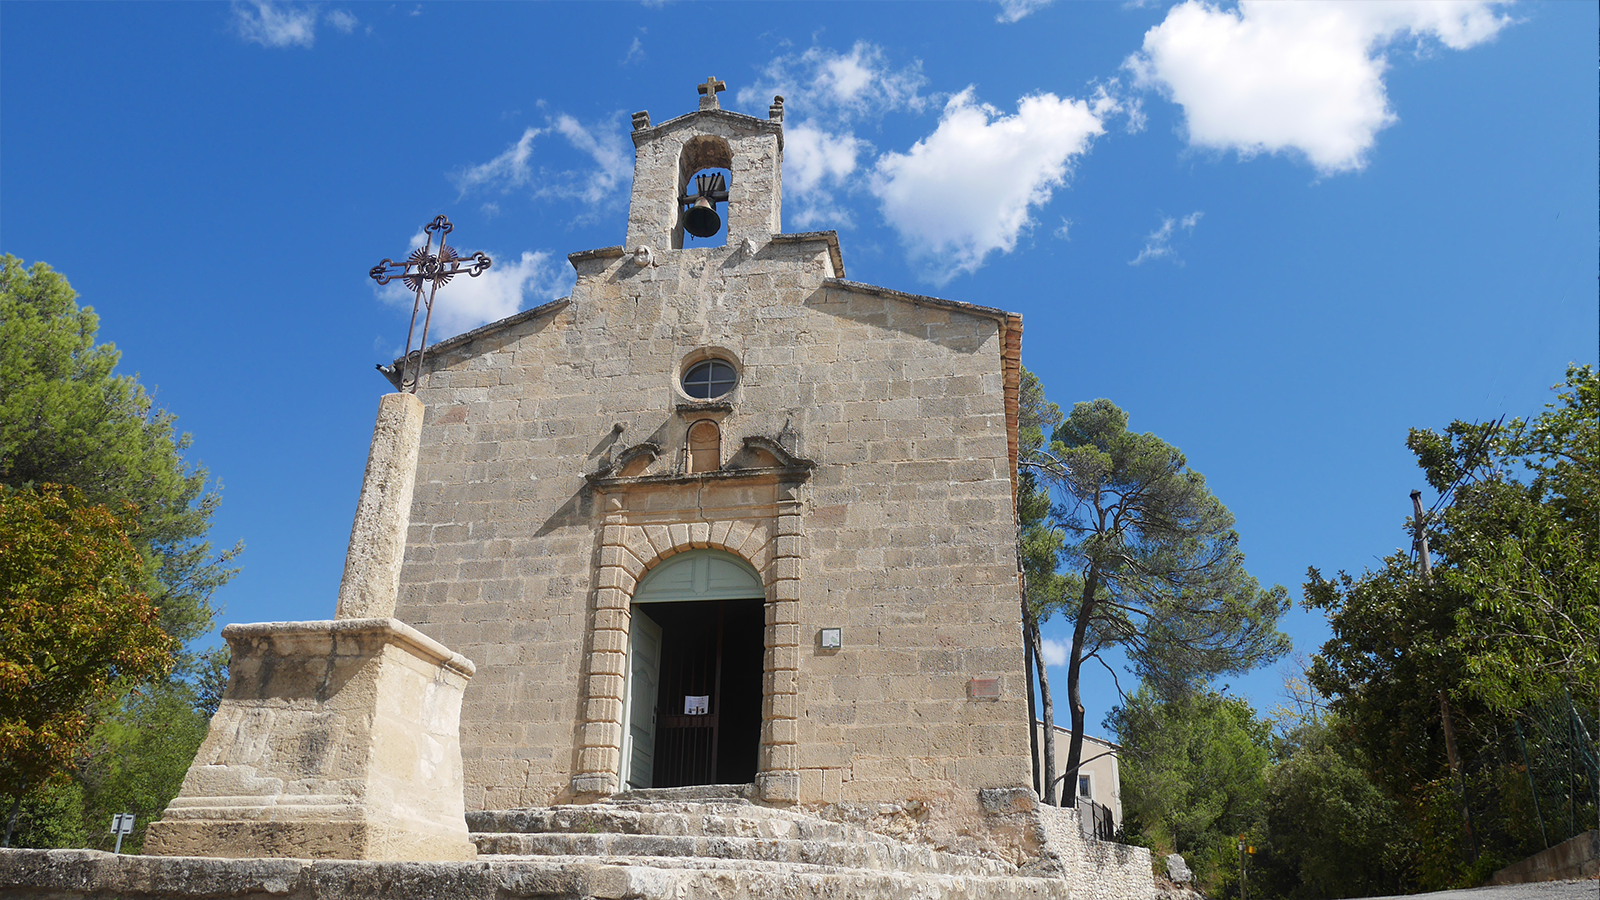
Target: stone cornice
{"type": "Point", "coordinates": [392, 631]}
{"type": "Point", "coordinates": [831, 237]}
{"type": "Point", "coordinates": [738, 120]}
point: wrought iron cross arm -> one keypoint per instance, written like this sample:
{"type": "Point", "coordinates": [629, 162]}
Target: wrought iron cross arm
{"type": "Point", "coordinates": [427, 269]}
{"type": "Point", "coordinates": [474, 265]}
{"type": "Point", "coordinates": [387, 271]}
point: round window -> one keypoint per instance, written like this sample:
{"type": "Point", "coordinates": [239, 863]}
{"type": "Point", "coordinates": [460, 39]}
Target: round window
{"type": "Point", "coordinates": [708, 379]}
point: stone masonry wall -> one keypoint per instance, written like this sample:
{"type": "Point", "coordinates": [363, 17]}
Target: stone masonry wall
{"type": "Point", "coordinates": [1096, 870]}
{"type": "Point", "coordinates": [908, 529]}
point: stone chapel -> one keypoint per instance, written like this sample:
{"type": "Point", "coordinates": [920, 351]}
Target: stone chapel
{"type": "Point", "coordinates": [715, 562]}
{"type": "Point", "coordinates": [725, 517]}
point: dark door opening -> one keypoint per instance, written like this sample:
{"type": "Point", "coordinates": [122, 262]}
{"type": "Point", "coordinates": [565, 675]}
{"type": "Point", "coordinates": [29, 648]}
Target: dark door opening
{"type": "Point", "coordinates": [708, 707]}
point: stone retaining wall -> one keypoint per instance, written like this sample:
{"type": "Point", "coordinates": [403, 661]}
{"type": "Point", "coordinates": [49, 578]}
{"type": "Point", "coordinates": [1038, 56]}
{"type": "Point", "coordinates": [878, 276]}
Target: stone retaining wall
{"type": "Point", "coordinates": [1576, 858]}
{"type": "Point", "coordinates": [1096, 870]}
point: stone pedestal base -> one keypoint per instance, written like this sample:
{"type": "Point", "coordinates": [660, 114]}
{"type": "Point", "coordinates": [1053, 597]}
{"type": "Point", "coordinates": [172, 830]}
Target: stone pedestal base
{"type": "Point", "coordinates": [335, 740]}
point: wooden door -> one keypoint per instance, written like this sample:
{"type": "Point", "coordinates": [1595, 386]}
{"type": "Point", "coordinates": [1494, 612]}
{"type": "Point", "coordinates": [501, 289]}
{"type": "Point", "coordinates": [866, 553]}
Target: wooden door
{"type": "Point", "coordinates": [644, 677]}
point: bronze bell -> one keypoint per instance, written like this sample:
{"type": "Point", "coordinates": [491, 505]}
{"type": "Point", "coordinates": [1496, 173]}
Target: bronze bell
{"type": "Point", "coordinates": [701, 219]}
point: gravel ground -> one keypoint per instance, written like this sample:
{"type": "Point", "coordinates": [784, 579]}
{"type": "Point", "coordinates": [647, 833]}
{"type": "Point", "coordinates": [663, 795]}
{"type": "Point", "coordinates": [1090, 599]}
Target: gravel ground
{"type": "Point", "coordinates": [1587, 889]}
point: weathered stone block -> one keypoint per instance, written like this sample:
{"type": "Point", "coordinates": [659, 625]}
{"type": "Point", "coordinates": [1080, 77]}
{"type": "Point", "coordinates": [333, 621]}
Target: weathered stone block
{"type": "Point", "coordinates": [333, 740]}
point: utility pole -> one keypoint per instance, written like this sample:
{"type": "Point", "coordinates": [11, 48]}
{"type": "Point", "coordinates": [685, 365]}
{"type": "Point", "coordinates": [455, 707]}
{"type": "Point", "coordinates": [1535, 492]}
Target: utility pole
{"type": "Point", "coordinates": [1244, 885]}
{"type": "Point", "coordinates": [1419, 541]}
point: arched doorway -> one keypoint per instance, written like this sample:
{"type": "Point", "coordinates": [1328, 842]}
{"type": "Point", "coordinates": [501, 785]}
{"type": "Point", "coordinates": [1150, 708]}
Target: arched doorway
{"type": "Point", "coordinates": [693, 709]}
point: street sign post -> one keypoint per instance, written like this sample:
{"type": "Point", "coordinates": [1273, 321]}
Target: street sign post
{"type": "Point", "coordinates": [121, 824]}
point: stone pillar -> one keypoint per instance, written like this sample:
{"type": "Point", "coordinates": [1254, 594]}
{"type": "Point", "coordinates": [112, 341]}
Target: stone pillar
{"type": "Point", "coordinates": [371, 581]}
{"type": "Point", "coordinates": [779, 778]}
{"type": "Point", "coordinates": [337, 739]}
{"type": "Point", "coordinates": [600, 734]}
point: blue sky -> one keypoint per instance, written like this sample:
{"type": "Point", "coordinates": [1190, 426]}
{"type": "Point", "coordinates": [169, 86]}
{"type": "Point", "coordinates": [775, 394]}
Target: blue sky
{"type": "Point", "coordinates": [1278, 235]}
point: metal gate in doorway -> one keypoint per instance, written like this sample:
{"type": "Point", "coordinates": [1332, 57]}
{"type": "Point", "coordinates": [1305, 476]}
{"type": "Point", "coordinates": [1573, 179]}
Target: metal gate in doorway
{"type": "Point", "coordinates": [691, 687]}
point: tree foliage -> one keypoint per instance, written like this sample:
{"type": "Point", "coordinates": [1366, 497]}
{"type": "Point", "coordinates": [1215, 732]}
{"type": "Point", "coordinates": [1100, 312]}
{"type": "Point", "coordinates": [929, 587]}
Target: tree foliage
{"type": "Point", "coordinates": [134, 762]}
{"type": "Point", "coordinates": [1509, 617]}
{"type": "Point", "coordinates": [1523, 556]}
{"type": "Point", "coordinates": [1329, 831]}
{"type": "Point", "coordinates": [74, 625]}
{"type": "Point", "coordinates": [66, 418]}
{"type": "Point", "coordinates": [1442, 683]}
{"type": "Point", "coordinates": [1149, 562]}
{"type": "Point", "coordinates": [1194, 773]}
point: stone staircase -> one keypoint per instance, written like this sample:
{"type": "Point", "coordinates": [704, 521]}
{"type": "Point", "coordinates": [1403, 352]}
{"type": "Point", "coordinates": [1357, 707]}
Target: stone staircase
{"type": "Point", "coordinates": [713, 842]}
{"type": "Point", "coordinates": [703, 843]}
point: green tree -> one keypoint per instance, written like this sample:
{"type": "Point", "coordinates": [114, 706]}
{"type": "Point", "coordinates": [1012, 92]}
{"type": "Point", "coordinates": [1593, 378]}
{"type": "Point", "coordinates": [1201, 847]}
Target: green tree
{"type": "Point", "coordinates": [1151, 563]}
{"type": "Point", "coordinates": [66, 418]}
{"type": "Point", "coordinates": [1330, 831]}
{"type": "Point", "coordinates": [1193, 778]}
{"type": "Point", "coordinates": [74, 625]}
{"type": "Point", "coordinates": [1436, 678]}
{"type": "Point", "coordinates": [1039, 545]}
{"type": "Point", "coordinates": [134, 761]}
{"type": "Point", "coordinates": [139, 755]}
{"type": "Point", "coordinates": [1523, 556]}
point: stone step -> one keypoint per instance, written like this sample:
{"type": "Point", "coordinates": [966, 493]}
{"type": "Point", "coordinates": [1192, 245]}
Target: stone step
{"type": "Point", "coordinates": [881, 854]}
{"type": "Point", "coordinates": [670, 878]}
{"type": "Point", "coordinates": [90, 874]}
{"type": "Point", "coordinates": [666, 819]}
{"type": "Point", "coordinates": [702, 792]}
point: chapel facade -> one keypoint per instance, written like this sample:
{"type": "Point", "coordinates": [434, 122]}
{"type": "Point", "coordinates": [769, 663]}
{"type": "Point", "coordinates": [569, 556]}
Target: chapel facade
{"type": "Point", "coordinates": [725, 517]}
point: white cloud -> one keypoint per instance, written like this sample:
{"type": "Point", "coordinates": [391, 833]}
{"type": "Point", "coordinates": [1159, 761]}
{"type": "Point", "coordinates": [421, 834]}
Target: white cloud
{"type": "Point", "coordinates": [606, 150]}
{"type": "Point", "coordinates": [509, 285]}
{"type": "Point", "coordinates": [342, 21]}
{"type": "Point", "coordinates": [635, 52]}
{"type": "Point", "coordinates": [273, 25]}
{"type": "Point", "coordinates": [1054, 652]}
{"type": "Point", "coordinates": [612, 157]}
{"type": "Point", "coordinates": [270, 25]}
{"type": "Point", "coordinates": [1013, 10]}
{"type": "Point", "coordinates": [836, 87]}
{"type": "Point", "coordinates": [506, 171]}
{"type": "Point", "coordinates": [824, 92]}
{"type": "Point", "coordinates": [967, 189]}
{"type": "Point", "coordinates": [1158, 243]}
{"type": "Point", "coordinates": [816, 164]}
{"type": "Point", "coordinates": [1271, 77]}
{"type": "Point", "coordinates": [1065, 231]}
{"type": "Point", "coordinates": [1110, 100]}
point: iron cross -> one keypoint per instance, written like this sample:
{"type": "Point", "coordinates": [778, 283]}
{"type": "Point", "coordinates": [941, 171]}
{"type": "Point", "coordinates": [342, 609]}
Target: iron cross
{"type": "Point", "coordinates": [427, 269]}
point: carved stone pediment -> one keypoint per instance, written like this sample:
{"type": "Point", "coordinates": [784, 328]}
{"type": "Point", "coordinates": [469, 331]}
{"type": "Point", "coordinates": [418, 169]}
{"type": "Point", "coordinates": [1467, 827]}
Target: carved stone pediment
{"type": "Point", "coordinates": [758, 458]}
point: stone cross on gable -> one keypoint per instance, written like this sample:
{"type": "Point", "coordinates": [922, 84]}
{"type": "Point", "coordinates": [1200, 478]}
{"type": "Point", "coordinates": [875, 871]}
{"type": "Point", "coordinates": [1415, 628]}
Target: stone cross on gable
{"type": "Point", "coordinates": [708, 93]}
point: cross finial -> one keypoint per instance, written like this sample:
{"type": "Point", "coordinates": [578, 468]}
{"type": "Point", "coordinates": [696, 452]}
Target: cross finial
{"type": "Point", "coordinates": [425, 271]}
{"type": "Point", "coordinates": [708, 93]}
